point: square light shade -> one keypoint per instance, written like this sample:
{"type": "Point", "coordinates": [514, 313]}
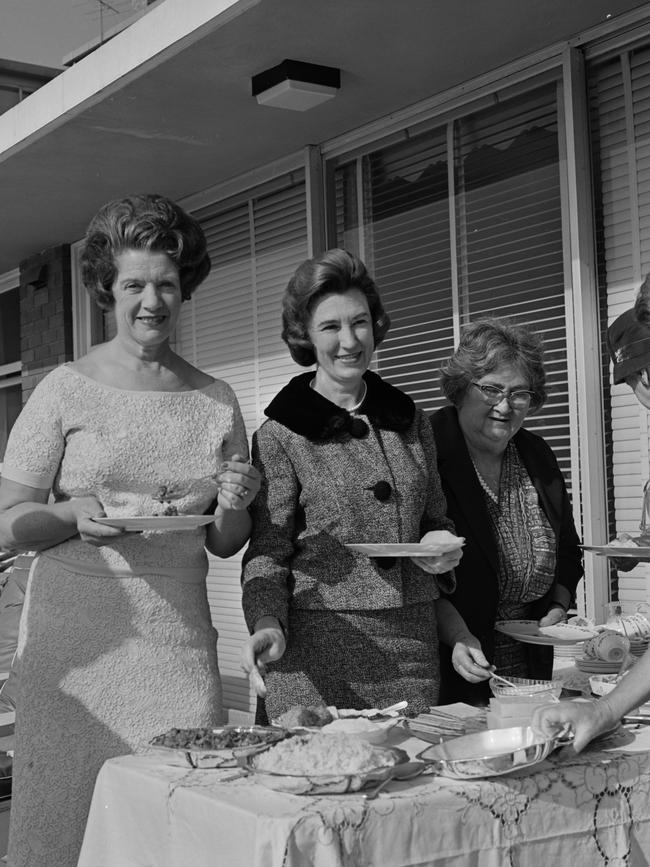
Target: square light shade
{"type": "Point", "coordinates": [296, 85]}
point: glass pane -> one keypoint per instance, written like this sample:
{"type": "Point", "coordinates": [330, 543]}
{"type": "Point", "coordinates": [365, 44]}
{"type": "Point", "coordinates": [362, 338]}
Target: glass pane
{"type": "Point", "coordinates": [406, 245]}
{"type": "Point", "coordinates": [11, 403]}
{"type": "Point", "coordinates": [9, 326]}
{"type": "Point", "coordinates": [509, 236]}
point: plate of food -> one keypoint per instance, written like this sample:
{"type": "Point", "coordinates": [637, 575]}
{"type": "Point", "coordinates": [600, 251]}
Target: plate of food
{"type": "Point", "coordinates": [623, 546]}
{"type": "Point", "coordinates": [446, 543]}
{"type": "Point", "coordinates": [369, 724]}
{"type": "Point", "coordinates": [157, 522]}
{"type": "Point", "coordinates": [530, 632]}
{"type": "Point", "coordinates": [215, 747]}
{"type": "Point", "coordinates": [321, 764]}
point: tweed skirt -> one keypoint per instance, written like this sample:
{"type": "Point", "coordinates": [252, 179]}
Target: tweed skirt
{"type": "Point", "coordinates": [357, 659]}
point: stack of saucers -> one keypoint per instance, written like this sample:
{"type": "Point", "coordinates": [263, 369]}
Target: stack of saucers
{"type": "Point", "coordinates": [639, 644]}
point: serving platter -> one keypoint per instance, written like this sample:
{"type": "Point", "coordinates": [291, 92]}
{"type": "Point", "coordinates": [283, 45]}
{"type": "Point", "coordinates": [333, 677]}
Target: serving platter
{"type": "Point", "coordinates": [530, 632]}
{"type": "Point", "coordinates": [405, 549]}
{"type": "Point", "coordinates": [216, 746]}
{"type": "Point", "coordinates": [636, 551]}
{"type": "Point", "coordinates": [328, 784]}
{"type": "Point", "coordinates": [157, 522]}
{"type": "Point", "coordinates": [491, 753]}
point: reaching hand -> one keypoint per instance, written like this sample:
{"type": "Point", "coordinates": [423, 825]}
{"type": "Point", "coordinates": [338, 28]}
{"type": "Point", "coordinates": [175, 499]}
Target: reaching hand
{"type": "Point", "coordinates": [266, 644]}
{"type": "Point", "coordinates": [587, 719]}
{"type": "Point", "coordinates": [469, 661]}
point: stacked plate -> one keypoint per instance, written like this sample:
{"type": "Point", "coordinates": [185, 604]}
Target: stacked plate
{"type": "Point", "coordinates": [639, 645]}
{"type": "Point", "coordinates": [597, 666]}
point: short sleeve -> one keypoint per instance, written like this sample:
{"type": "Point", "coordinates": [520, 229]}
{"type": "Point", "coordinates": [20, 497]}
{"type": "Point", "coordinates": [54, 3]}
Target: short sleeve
{"type": "Point", "coordinates": [236, 441]}
{"type": "Point", "coordinates": [36, 443]}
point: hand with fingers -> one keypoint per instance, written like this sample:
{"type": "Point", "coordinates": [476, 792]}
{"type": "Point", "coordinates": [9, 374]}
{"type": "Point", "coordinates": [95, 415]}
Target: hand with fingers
{"type": "Point", "coordinates": [266, 644]}
{"type": "Point", "coordinates": [238, 483]}
{"type": "Point", "coordinates": [469, 661]}
{"type": "Point", "coordinates": [85, 510]}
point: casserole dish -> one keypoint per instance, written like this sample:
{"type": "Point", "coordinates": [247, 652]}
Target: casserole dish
{"type": "Point", "coordinates": [491, 753]}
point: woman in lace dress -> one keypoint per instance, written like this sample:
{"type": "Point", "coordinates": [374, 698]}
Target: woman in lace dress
{"type": "Point", "coordinates": [116, 643]}
{"type": "Point", "coordinates": [506, 494]}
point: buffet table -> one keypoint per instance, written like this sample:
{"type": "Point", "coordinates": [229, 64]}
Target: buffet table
{"type": "Point", "coordinates": [586, 810]}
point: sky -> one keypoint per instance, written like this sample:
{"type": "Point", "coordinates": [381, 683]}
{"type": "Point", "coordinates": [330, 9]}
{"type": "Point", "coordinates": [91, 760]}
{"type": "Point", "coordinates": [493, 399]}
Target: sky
{"type": "Point", "coordinates": [43, 32]}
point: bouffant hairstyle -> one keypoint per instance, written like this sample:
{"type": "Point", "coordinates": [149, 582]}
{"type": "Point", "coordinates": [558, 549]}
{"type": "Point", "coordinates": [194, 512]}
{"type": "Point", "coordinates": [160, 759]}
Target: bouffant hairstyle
{"type": "Point", "coordinates": [334, 271]}
{"type": "Point", "coordinates": [143, 222]}
{"type": "Point", "coordinates": [487, 344]}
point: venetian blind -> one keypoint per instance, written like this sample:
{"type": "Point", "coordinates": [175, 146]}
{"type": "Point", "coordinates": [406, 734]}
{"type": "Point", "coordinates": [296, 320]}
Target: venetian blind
{"type": "Point", "coordinates": [231, 329]}
{"type": "Point", "coordinates": [619, 94]}
{"type": "Point", "coordinates": [503, 256]}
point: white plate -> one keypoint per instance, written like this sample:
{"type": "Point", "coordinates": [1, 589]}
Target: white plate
{"type": "Point", "coordinates": [618, 550]}
{"type": "Point", "coordinates": [530, 632]}
{"type": "Point", "coordinates": [405, 549]}
{"type": "Point", "coordinates": [158, 522]}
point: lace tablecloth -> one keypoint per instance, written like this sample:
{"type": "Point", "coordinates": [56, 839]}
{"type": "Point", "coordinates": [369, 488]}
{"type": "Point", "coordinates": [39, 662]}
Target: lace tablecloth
{"type": "Point", "coordinates": [583, 811]}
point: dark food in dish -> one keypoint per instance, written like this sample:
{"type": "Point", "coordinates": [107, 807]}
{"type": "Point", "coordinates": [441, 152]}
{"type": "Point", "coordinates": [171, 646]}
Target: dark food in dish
{"type": "Point", "coordinates": [213, 738]}
{"type": "Point", "coordinates": [300, 716]}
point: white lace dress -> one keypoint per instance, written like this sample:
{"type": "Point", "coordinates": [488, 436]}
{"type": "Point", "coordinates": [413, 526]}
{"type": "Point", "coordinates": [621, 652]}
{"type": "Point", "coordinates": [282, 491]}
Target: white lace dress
{"type": "Point", "coordinates": [116, 643]}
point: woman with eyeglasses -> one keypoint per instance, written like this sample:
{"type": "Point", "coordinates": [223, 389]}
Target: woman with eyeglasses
{"type": "Point", "coordinates": [506, 495]}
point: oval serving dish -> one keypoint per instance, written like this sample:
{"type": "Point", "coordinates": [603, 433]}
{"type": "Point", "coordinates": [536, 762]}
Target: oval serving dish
{"type": "Point", "coordinates": [490, 753]}
{"type": "Point", "coordinates": [324, 784]}
{"type": "Point", "coordinates": [215, 746]}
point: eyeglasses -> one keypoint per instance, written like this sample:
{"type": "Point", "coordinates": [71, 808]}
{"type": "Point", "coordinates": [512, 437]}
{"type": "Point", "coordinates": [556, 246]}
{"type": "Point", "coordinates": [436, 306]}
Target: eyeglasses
{"type": "Point", "coordinates": [493, 395]}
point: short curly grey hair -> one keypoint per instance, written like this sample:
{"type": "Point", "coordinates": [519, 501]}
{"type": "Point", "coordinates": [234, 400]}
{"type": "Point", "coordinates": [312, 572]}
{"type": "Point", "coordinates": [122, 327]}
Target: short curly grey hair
{"type": "Point", "coordinates": [487, 344]}
{"type": "Point", "coordinates": [335, 270]}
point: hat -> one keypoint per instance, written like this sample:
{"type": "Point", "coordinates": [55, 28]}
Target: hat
{"type": "Point", "coordinates": [628, 341]}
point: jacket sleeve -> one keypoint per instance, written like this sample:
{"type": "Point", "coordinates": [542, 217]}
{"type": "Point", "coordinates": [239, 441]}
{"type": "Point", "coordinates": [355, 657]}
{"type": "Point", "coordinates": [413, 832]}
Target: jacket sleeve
{"type": "Point", "coordinates": [266, 566]}
{"type": "Point", "coordinates": [435, 513]}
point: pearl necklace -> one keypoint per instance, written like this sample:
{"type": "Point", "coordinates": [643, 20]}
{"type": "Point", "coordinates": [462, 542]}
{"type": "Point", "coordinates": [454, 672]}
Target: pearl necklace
{"type": "Point", "coordinates": [488, 490]}
{"type": "Point", "coordinates": [357, 406]}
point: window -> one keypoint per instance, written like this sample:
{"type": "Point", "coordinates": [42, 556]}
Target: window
{"type": "Point", "coordinates": [620, 120]}
{"type": "Point", "coordinates": [458, 222]}
{"type": "Point", "coordinates": [10, 364]}
{"type": "Point", "coordinates": [231, 329]}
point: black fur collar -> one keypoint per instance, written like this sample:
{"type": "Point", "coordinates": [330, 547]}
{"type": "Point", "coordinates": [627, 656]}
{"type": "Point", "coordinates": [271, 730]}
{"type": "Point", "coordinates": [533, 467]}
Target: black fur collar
{"type": "Point", "coordinates": [309, 414]}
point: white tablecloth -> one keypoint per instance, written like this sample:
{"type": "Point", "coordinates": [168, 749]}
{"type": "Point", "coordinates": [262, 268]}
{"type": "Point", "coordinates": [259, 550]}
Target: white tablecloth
{"type": "Point", "coordinates": [586, 811]}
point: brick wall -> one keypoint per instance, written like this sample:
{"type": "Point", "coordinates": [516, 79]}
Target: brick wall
{"type": "Point", "coordinates": [45, 314]}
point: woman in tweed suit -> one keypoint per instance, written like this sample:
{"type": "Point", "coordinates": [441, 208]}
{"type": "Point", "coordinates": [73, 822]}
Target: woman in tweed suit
{"type": "Point", "coordinates": [345, 457]}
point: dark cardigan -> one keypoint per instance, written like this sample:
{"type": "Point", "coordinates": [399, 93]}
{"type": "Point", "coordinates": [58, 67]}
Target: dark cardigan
{"type": "Point", "coordinates": [476, 594]}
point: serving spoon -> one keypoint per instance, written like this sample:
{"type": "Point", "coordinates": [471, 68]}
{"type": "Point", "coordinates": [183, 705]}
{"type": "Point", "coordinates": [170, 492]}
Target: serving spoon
{"type": "Point", "coordinates": [405, 771]}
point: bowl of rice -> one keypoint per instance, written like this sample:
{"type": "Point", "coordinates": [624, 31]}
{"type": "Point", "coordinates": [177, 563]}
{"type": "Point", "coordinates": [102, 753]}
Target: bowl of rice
{"type": "Point", "coordinates": [318, 763]}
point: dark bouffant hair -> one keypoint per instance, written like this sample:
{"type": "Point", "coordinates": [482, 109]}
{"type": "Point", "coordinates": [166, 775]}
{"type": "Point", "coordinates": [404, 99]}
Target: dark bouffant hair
{"type": "Point", "coordinates": [143, 222]}
{"type": "Point", "coordinates": [334, 271]}
{"type": "Point", "coordinates": [487, 344]}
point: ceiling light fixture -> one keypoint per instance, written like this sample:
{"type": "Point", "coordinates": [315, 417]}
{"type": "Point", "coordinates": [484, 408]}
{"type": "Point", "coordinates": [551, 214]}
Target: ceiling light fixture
{"type": "Point", "coordinates": [296, 85]}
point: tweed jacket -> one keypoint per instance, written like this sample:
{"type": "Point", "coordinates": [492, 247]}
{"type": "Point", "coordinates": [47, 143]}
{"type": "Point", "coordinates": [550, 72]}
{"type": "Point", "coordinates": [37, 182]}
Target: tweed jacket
{"type": "Point", "coordinates": [321, 468]}
{"type": "Point", "coordinates": [476, 594]}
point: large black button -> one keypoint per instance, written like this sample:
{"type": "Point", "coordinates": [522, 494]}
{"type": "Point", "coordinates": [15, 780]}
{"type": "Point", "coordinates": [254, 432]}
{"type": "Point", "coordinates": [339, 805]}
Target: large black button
{"type": "Point", "coordinates": [358, 428]}
{"type": "Point", "coordinates": [382, 491]}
